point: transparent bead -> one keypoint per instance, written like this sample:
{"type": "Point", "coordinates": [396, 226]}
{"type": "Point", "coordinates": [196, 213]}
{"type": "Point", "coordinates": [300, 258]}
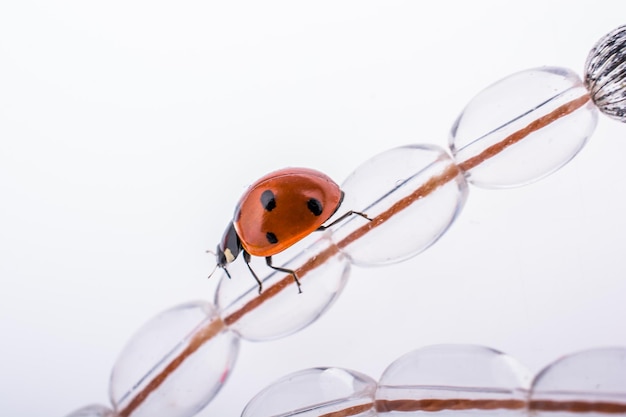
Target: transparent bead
{"type": "Point", "coordinates": [592, 383]}
{"type": "Point", "coordinates": [411, 193]}
{"type": "Point", "coordinates": [523, 127]}
{"type": "Point", "coordinates": [605, 74]}
{"type": "Point", "coordinates": [316, 392]}
{"type": "Point", "coordinates": [94, 410]}
{"type": "Point", "coordinates": [175, 364]}
{"type": "Point", "coordinates": [280, 310]}
{"type": "Point", "coordinates": [453, 380]}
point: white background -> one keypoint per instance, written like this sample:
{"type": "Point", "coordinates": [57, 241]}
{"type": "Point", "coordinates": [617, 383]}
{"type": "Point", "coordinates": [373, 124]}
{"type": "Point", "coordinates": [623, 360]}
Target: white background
{"type": "Point", "coordinates": [128, 130]}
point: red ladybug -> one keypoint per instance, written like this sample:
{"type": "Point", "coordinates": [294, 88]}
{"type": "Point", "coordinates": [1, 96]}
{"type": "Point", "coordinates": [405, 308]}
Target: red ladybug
{"type": "Point", "coordinates": [277, 211]}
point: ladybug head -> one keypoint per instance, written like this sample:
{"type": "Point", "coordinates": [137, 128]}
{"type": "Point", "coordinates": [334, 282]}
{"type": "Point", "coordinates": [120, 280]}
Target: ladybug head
{"type": "Point", "coordinates": [228, 249]}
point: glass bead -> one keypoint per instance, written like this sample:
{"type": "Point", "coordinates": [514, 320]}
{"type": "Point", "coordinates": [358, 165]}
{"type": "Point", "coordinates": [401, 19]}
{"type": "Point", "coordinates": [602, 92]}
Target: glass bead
{"type": "Point", "coordinates": [523, 128]}
{"type": "Point", "coordinates": [411, 193]}
{"type": "Point", "coordinates": [592, 383]}
{"type": "Point", "coordinates": [316, 392]}
{"type": "Point", "coordinates": [453, 380]}
{"type": "Point", "coordinates": [175, 364]}
{"type": "Point", "coordinates": [94, 410]}
{"type": "Point", "coordinates": [605, 74]}
{"type": "Point", "coordinates": [280, 310]}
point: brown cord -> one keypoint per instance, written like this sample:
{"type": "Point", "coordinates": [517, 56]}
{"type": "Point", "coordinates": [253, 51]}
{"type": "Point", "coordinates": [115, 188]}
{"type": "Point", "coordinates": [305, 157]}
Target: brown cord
{"type": "Point", "coordinates": [578, 406]}
{"type": "Point", "coordinates": [350, 411]}
{"type": "Point", "coordinates": [204, 334]}
{"type": "Point", "coordinates": [535, 125]}
{"type": "Point", "coordinates": [215, 327]}
{"type": "Point", "coordinates": [432, 404]}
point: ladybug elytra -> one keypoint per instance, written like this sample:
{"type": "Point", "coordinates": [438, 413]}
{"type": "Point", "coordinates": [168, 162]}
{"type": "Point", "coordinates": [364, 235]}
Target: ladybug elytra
{"type": "Point", "coordinates": [277, 211]}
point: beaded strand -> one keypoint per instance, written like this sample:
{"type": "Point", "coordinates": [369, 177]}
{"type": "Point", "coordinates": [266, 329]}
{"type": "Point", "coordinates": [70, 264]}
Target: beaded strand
{"type": "Point", "coordinates": [457, 379]}
{"type": "Point", "coordinates": [204, 329]}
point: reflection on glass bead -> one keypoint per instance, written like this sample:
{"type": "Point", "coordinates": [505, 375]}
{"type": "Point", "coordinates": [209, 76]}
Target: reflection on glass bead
{"type": "Point", "coordinates": [591, 382]}
{"type": "Point", "coordinates": [170, 367]}
{"type": "Point", "coordinates": [412, 193]}
{"type": "Point", "coordinates": [523, 127]}
{"type": "Point", "coordinates": [280, 310]}
{"type": "Point", "coordinates": [316, 392]}
{"type": "Point", "coordinates": [453, 380]}
{"type": "Point", "coordinates": [94, 410]}
{"type": "Point", "coordinates": [605, 74]}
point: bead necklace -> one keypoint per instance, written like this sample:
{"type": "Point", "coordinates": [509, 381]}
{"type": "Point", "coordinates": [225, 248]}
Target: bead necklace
{"type": "Point", "coordinates": [456, 379]}
{"type": "Point", "coordinates": [400, 184]}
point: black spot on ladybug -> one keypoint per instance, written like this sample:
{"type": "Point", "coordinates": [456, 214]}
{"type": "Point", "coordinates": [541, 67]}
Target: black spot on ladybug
{"type": "Point", "coordinates": [271, 237]}
{"type": "Point", "coordinates": [315, 206]}
{"type": "Point", "coordinates": [268, 200]}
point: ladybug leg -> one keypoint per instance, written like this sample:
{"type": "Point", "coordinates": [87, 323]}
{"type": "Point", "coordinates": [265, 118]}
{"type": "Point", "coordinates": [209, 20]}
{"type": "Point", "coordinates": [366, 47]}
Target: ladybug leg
{"type": "Point", "coordinates": [268, 260]}
{"type": "Point", "coordinates": [227, 273]}
{"type": "Point", "coordinates": [246, 257]}
{"type": "Point", "coordinates": [342, 218]}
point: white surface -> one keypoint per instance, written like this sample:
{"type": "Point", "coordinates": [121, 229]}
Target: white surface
{"type": "Point", "coordinates": [128, 131]}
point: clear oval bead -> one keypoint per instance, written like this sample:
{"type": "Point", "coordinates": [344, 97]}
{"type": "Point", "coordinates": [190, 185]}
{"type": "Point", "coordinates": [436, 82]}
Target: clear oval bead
{"type": "Point", "coordinates": [453, 380]}
{"type": "Point", "coordinates": [523, 128]}
{"type": "Point", "coordinates": [175, 364]}
{"type": "Point", "coordinates": [316, 392]}
{"type": "Point", "coordinates": [605, 74]}
{"type": "Point", "coordinates": [280, 310]}
{"type": "Point", "coordinates": [592, 382]}
{"type": "Point", "coordinates": [94, 410]}
{"type": "Point", "coordinates": [411, 193]}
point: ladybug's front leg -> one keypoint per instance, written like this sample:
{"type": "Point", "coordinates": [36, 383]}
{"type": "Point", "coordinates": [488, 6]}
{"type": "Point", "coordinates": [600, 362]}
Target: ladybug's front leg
{"type": "Point", "coordinates": [246, 257]}
{"type": "Point", "coordinates": [268, 260]}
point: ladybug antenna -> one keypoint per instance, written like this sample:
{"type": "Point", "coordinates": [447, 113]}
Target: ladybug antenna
{"type": "Point", "coordinates": [216, 265]}
{"type": "Point", "coordinates": [212, 271]}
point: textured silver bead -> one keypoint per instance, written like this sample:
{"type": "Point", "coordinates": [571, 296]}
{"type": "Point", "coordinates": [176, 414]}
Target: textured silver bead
{"type": "Point", "coordinates": [605, 74]}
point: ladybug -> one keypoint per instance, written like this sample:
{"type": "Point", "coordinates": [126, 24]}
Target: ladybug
{"type": "Point", "coordinates": [277, 211]}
